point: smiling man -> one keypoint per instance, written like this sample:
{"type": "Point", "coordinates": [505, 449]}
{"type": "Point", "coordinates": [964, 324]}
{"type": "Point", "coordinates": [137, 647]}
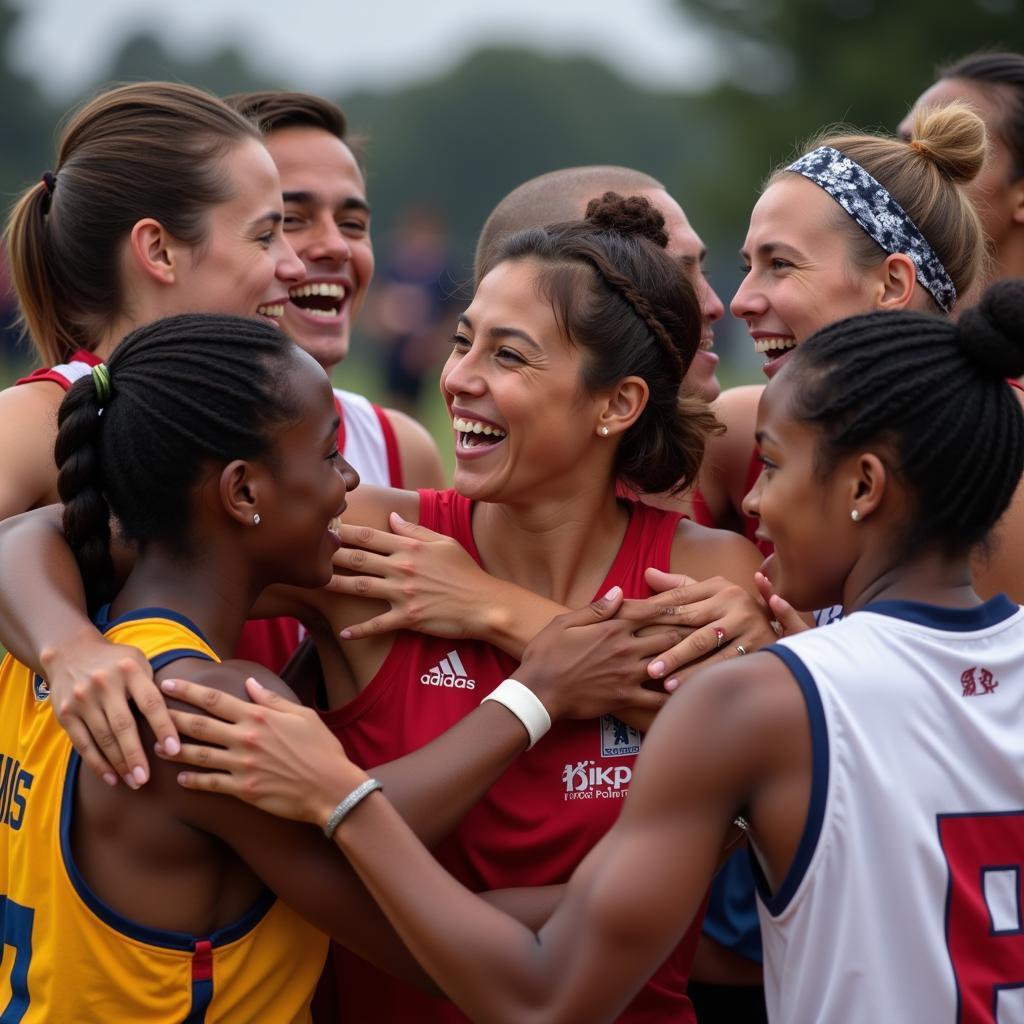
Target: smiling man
{"type": "Point", "coordinates": [327, 222]}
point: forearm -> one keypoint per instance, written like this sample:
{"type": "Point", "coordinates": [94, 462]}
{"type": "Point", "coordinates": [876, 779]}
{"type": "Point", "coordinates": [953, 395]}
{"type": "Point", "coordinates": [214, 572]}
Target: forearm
{"type": "Point", "coordinates": [512, 617]}
{"type": "Point", "coordinates": [445, 926]}
{"type": "Point", "coordinates": [42, 601]}
{"type": "Point", "coordinates": [433, 787]}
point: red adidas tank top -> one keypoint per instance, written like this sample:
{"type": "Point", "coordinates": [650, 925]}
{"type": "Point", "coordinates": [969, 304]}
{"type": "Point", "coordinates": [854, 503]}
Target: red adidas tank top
{"type": "Point", "coordinates": [552, 805]}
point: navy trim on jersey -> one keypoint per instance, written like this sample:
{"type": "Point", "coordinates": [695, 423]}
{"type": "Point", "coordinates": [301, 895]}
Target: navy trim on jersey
{"type": "Point", "coordinates": [777, 903]}
{"type": "Point", "coordinates": [142, 933]}
{"type": "Point", "coordinates": [160, 661]}
{"type": "Point", "coordinates": [104, 622]}
{"type": "Point", "coordinates": [959, 620]}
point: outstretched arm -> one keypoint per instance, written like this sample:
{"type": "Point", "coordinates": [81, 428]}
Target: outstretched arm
{"type": "Point", "coordinates": [432, 787]}
{"type": "Point", "coordinates": [44, 623]}
{"type": "Point", "coordinates": [735, 738]}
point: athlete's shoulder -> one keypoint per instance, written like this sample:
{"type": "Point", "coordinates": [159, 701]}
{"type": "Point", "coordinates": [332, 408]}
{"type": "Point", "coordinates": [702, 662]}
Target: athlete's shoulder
{"type": "Point", "coordinates": [371, 506]}
{"type": "Point", "coordinates": [704, 551]}
{"type": "Point", "coordinates": [420, 458]}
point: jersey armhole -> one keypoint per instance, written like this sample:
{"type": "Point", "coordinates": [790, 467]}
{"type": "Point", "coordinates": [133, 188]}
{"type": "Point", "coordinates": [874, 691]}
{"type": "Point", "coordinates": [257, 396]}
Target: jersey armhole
{"type": "Point", "coordinates": [777, 902]}
{"type": "Point", "coordinates": [391, 447]}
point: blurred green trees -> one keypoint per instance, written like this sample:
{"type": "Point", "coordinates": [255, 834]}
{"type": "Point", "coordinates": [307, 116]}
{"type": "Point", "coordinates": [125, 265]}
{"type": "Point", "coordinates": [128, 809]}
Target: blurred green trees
{"type": "Point", "coordinates": [463, 140]}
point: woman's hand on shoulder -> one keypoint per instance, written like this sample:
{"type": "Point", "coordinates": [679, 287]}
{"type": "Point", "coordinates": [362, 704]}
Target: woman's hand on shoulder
{"type": "Point", "coordinates": [588, 662]}
{"type": "Point", "coordinates": [91, 682]}
{"type": "Point", "coordinates": [430, 582]}
{"type": "Point", "coordinates": [715, 600]}
{"type": "Point", "coordinates": [266, 750]}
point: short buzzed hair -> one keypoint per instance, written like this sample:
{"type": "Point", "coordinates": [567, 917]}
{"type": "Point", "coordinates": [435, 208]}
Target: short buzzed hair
{"type": "Point", "coordinates": [552, 198]}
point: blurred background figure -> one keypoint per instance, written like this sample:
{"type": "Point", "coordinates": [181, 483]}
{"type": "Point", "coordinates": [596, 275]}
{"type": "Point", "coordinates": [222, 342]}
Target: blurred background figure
{"type": "Point", "coordinates": [412, 306]}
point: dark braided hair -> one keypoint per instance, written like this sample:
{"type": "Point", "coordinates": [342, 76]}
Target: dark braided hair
{"type": "Point", "coordinates": [936, 393]}
{"type": "Point", "coordinates": [619, 297]}
{"type": "Point", "coordinates": [183, 390]}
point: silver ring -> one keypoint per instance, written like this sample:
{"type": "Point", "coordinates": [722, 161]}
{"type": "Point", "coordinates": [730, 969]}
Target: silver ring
{"type": "Point", "coordinates": [740, 649]}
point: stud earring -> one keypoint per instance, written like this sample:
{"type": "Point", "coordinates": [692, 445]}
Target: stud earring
{"type": "Point", "coordinates": [855, 515]}
{"type": "Point", "coordinates": [256, 519]}
{"type": "Point", "coordinates": [604, 431]}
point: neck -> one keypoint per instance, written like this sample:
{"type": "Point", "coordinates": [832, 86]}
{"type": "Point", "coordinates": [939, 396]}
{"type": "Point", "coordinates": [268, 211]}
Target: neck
{"type": "Point", "coordinates": [112, 336]}
{"type": "Point", "coordinates": [560, 547]}
{"type": "Point", "coordinates": [931, 577]}
{"type": "Point", "coordinates": [215, 594]}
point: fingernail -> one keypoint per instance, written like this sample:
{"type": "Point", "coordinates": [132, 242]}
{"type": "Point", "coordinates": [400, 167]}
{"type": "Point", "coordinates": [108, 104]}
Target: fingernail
{"type": "Point", "coordinates": [346, 634]}
{"type": "Point", "coordinates": [657, 668]}
{"type": "Point", "coordinates": [139, 774]}
{"type": "Point", "coordinates": [671, 685]}
{"type": "Point", "coordinates": [613, 593]}
{"type": "Point", "coordinates": [182, 778]}
{"type": "Point", "coordinates": [398, 517]}
{"type": "Point", "coordinates": [130, 782]}
{"type": "Point", "coordinates": [171, 746]}
{"type": "Point", "coordinates": [168, 685]}
{"type": "Point", "coordinates": [255, 682]}
{"type": "Point", "coordinates": [110, 778]}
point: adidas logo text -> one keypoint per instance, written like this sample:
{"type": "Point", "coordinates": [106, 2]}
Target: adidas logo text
{"type": "Point", "coordinates": [450, 672]}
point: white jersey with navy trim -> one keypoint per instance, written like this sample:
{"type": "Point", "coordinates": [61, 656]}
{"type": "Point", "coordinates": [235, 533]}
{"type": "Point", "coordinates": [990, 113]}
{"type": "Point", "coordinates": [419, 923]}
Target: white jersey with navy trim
{"type": "Point", "coordinates": [904, 901]}
{"type": "Point", "coordinates": [365, 445]}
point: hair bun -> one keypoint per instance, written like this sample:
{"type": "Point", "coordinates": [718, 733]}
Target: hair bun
{"type": "Point", "coordinates": [630, 215]}
{"type": "Point", "coordinates": [992, 333]}
{"type": "Point", "coordinates": [953, 138]}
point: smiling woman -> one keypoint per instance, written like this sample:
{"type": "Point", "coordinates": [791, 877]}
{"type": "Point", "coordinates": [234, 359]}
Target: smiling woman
{"type": "Point", "coordinates": [857, 223]}
{"type": "Point", "coordinates": [162, 200]}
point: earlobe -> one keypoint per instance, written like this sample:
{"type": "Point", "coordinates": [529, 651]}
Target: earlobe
{"type": "Point", "coordinates": [898, 276]}
{"type": "Point", "coordinates": [624, 406]}
{"type": "Point", "coordinates": [152, 250]}
{"type": "Point", "coordinates": [868, 486]}
{"type": "Point", "coordinates": [240, 491]}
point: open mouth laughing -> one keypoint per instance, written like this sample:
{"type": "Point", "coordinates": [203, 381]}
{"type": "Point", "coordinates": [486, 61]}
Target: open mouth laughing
{"type": "Point", "coordinates": [476, 435]}
{"type": "Point", "coordinates": [775, 347]}
{"type": "Point", "coordinates": [321, 300]}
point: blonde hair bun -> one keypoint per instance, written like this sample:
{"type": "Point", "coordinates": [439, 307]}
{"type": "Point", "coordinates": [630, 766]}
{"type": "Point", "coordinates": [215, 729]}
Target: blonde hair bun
{"type": "Point", "coordinates": [953, 138]}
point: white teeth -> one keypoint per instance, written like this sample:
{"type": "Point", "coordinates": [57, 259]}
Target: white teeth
{"type": "Point", "coordinates": [476, 427]}
{"type": "Point", "coordinates": [327, 288]}
{"type": "Point", "coordinates": [271, 311]}
{"type": "Point", "coordinates": [773, 344]}
{"type": "Point", "coordinates": [324, 314]}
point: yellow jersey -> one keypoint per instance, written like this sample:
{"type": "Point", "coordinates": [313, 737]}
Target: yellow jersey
{"type": "Point", "coordinates": [67, 958]}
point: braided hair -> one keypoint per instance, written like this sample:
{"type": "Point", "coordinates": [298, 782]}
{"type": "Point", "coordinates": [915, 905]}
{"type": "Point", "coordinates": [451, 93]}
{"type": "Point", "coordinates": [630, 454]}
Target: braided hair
{"type": "Point", "coordinates": [183, 390]}
{"type": "Point", "coordinates": [618, 296]}
{"type": "Point", "coordinates": [937, 393]}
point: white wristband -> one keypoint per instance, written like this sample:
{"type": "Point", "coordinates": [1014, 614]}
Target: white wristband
{"type": "Point", "coordinates": [525, 705]}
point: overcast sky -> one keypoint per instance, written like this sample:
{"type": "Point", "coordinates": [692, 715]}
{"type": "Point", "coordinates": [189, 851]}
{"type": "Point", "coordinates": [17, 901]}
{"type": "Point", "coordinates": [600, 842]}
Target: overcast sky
{"type": "Point", "coordinates": [340, 45]}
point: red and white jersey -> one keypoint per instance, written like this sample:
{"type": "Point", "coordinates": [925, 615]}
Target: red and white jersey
{"type": "Point", "coordinates": [551, 806]}
{"type": "Point", "coordinates": [366, 440]}
{"type": "Point", "coordinates": [79, 365]}
{"type": "Point", "coordinates": [904, 901]}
